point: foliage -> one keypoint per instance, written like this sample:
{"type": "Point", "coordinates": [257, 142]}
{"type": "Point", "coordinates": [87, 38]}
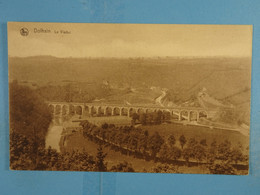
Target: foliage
{"type": "Point", "coordinates": [165, 168]}
{"type": "Point", "coordinates": [29, 122]}
{"type": "Point", "coordinates": [175, 153]}
{"type": "Point", "coordinates": [224, 150]}
{"type": "Point", "coordinates": [29, 115]}
{"type": "Point", "coordinates": [222, 168]}
{"type": "Point", "coordinates": [182, 141]}
{"type": "Point", "coordinates": [122, 167]}
{"type": "Point", "coordinates": [126, 139]}
{"type": "Point", "coordinates": [187, 153]}
{"type": "Point", "coordinates": [142, 118]}
{"type": "Point", "coordinates": [134, 141]}
{"type": "Point", "coordinates": [100, 165]}
{"type": "Point", "coordinates": [203, 142]}
{"type": "Point", "coordinates": [199, 152]}
{"type": "Point", "coordinates": [105, 126]}
{"type": "Point", "coordinates": [20, 152]}
{"type": "Point", "coordinates": [212, 152]}
{"type": "Point", "coordinates": [164, 153]}
{"type": "Point", "coordinates": [171, 140]}
{"type": "Point", "coordinates": [151, 118]}
{"type": "Point", "coordinates": [21, 158]}
{"type": "Point", "coordinates": [195, 151]}
{"type": "Point", "coordinates": [154, 144]}
{"type": "Point", "coordinates": [135, 117]}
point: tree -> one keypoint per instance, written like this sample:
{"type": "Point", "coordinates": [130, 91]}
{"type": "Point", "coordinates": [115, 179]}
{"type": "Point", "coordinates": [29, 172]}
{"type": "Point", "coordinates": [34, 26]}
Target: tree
{"type": "Point", "coordinates": [165, 168]}
{"type": "Point", "coordinates": [199, 153]}
{"type": "Point", "coordinates": [164, 153]}
{"type": "Point", "coordinates": [212, 152]}
{"type": "Point", "coordinates": [171, 140]}
{"type": "Point", "coordinates": [246, 155]}
{"type": "Point", "coordinates": [213, 145]}
{"type": "Point", "coordinates": [133, 141]}
{"type": "Point", "coordinates": [203, 142]}
{"type": "Point", "coordinates": [182, 141]}
{"type": "Point", "coordinates": [186, 153]}
{"type": "Point", "coordinates": [146, 133]}
{"type": "Point", "coordinates": [29, 117]}
{"type": "Point", "coordinates": [149, 118]}
{"type": "Point", "coordinates": [224, 150]}
{"type": "Point", "coordinates": [20, 152]}
{"type": "Point", "coordinates": [237, 154]}
{"type": "Point", "coordinates": [158, 119]}
{"type": "Point", "coordinates": [166, 116]}
{"type": "Point", "coordinates": [104, 125]}
{"type": "Point", "coordinates": [192, 151]}
{"type": "Point", "coordinates": [142, 143]}
{"type": "Point", "coordinates": [135, 117]}
{"type": "Point", "coordinates": [222, 168]}
{"type": "Point", "coordinates": [175, 153]}
{"type": "Point", "coordinates": [28, 111]}
{"type": "Point", "coordinates": [142, 118]}
{"type": "Point", "coordinates": [122, 167]}
{"type": "Point", "coordinates": [154, 144]}
{"type": "Point", "coordinates": [100, 158]}
{"type": "Point", "coordinates": [192, 142]}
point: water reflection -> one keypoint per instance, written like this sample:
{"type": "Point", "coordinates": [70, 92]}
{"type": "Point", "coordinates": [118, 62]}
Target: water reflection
{"type": "Point", "coordinates": [53, 137]}
{"type": "Point", "coordinates": [54, 133]}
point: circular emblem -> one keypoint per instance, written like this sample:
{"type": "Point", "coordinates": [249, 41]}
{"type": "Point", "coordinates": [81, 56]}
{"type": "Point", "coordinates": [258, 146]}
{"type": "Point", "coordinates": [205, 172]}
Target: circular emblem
{"type": "Point", "coordinates": [24, 31]}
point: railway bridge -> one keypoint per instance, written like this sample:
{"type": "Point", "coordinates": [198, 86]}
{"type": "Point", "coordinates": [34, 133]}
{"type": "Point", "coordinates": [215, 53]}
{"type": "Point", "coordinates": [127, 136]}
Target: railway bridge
{"type": "Point", "coordinates": [94, 109]}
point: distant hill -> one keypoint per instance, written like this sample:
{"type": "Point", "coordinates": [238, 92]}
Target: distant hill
{"type": "Point", "coordinates": [221, 76]}
{"type": "Point", "coordinates": [227, 80]}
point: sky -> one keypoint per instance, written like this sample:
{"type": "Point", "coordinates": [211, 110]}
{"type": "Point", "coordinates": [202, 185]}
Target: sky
{"type": "Point", "coordinates": [128, 40]}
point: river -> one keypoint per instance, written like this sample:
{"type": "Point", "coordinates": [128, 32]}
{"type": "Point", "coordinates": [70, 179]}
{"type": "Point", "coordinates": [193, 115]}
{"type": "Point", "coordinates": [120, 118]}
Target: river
{"type": "Point", "coordinates": [54, 134]}
{"type": "Point", "coordinates": [56, 128]}
{"type": "Point", "coordinates": [53, 137]}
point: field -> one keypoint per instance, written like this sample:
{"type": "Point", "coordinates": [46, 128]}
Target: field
{"type": "Point", "coordinates": [77, 142]}
{"type": "Point", "coordinates": [198, 133]}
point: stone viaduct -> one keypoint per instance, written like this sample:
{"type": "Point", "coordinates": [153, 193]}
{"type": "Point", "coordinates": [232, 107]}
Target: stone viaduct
{"type": "Point", "coordinates": [92, 109]}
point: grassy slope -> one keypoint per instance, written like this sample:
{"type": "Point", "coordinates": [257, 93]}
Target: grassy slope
{"type": "Point", "coordinates": [198, 133]}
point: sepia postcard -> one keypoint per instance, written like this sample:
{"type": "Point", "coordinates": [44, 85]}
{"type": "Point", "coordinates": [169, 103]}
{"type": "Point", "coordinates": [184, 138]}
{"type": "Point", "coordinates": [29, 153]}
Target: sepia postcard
{"type": "Point", "coordinates": [154, 98]}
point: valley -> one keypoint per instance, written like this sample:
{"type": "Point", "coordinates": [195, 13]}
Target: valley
{"type": "Point", "coordinates": [204, 100]}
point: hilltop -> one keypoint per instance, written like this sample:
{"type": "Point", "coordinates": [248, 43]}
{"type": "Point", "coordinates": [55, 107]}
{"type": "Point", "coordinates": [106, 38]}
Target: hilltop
{"type": "Point", "coordinates": [216, 74]}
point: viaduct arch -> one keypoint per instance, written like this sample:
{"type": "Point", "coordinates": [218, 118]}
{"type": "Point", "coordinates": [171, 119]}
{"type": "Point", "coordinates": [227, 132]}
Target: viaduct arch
{"type": "Point", "coordinates": [84, 109]}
